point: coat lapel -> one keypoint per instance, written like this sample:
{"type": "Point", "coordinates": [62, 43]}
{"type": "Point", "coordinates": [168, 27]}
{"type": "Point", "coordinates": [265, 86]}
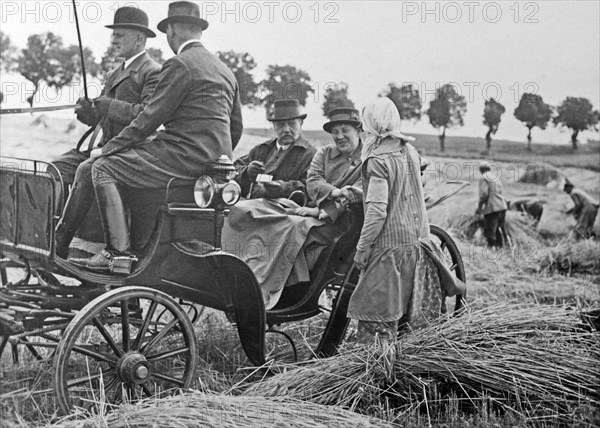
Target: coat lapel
{"type": "Point", "coordinates": [133, 68]}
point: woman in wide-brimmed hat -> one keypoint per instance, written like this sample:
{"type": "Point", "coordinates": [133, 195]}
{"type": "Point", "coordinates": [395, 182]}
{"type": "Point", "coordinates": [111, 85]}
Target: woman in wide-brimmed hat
{"type": "Point", "coordinates": [334, 174]}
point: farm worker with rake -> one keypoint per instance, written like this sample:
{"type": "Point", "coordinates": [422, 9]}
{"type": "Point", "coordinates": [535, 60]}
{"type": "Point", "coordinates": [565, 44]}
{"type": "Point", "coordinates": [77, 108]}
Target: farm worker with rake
{"type": "Point", "coordinates": [585, 210]}
{"type": "Point", "coordinates": [126, 91]}
{"type": "Point", "coordinates": [391, 288]}
{"type": "Point", "coordinates": [492, 206]}
{"type": "Point", "coordinates": [197, 101]}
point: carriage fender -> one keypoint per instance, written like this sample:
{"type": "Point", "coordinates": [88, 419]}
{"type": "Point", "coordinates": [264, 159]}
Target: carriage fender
{"type": "Point", "coordinates": [222, 281]}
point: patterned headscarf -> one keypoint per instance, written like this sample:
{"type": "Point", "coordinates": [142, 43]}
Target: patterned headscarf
{"type": "Point", "coordinates": [381, 119]}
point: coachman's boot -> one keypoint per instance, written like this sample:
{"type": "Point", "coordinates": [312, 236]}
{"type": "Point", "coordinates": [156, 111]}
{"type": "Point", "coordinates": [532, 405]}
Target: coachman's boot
{"type": "Point", "coordinates": [116, 257]}
{"type": "Point", "coordinates": [79, 202]}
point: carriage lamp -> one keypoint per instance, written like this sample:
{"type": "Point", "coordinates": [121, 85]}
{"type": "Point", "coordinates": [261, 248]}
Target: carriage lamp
{"type": "Point", "coordinates": [218, 189]}
{"type": "Point", "coordinates": [204, 191]}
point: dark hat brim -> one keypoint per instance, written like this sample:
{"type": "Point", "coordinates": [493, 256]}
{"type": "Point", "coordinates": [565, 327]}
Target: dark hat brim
{"type": "Point", "coordinates": [327, 127]}
{"type": "Point", "coordinates": [138, 27]}
{"type": "Point", "coordinates": [162, 25]}
{"type": "Point", "coordinates": [279, 119]}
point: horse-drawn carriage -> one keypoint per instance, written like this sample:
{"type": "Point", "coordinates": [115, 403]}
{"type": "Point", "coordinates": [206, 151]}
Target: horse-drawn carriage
{"type": "Point", "coordinates": [126, 337]}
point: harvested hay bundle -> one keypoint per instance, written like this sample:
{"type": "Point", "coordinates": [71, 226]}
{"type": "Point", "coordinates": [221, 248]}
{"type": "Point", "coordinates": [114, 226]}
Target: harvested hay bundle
{"type": "Point", "coordinates": [573, 257]}
{"type": "Point", "coordinates": [207, 410]}
{"type": "Point", "coordinates": [521, 228]}
{"type": "Point", "coordinates": [465, 225]}
{"type": "Point", "coordinates": [538, 359]}
{"type": "Point", "coordinates": [542, 173]}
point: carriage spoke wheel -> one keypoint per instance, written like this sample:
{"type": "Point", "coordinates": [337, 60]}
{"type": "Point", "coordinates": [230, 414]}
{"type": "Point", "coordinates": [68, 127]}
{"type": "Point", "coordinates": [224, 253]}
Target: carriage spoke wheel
{"type": "Point", "coordinates": [127, 344]}
{"type": "Point", "coordinates": [333, 303]}
{"type": "Point", "coordinates": [452, 257]}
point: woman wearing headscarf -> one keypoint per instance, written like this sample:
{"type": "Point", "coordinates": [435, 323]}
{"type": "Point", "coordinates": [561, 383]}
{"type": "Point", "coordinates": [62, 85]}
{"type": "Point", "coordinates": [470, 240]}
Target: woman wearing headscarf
{"type": "Point", "coordinates": [389, 250]}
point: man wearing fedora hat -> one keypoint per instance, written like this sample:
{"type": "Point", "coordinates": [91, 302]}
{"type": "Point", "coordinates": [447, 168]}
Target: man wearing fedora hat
{"type": "Point", "coordinates": [127, 90]}
{"type": "Point", "coordinates": [197, 101]}
{"type": "Point", "coordinates": [284, 160]}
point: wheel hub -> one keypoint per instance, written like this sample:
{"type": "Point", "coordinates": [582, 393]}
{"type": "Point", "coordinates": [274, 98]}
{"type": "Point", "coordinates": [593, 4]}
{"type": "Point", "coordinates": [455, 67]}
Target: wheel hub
{"type": "Point", "coordinates": [133, 368]}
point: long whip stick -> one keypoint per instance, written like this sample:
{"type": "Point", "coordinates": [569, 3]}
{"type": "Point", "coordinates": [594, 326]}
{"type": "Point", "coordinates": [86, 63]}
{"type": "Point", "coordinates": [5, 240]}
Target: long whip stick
{"type": "Point", "coordinates": [85, 91]}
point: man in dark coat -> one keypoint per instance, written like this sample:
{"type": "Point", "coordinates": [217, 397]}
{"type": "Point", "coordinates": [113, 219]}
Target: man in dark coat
{"type": "Point", "coordinates": [284, 160]}
{"type": "Point", "coordinates": [127, 88]}
{"type": "Point", "coordinates": [197, 101]}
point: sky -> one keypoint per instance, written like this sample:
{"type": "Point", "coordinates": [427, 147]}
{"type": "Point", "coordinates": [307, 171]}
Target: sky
{"type": "Point", "coordinates": [484, 48]}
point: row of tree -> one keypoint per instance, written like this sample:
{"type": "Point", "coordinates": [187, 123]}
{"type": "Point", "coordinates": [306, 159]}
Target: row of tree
{"type": "Point", "coordinates": [47, 59]}
{"type": "Point", "coordinates": [448, 108]}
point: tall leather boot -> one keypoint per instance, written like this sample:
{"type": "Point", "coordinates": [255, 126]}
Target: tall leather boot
{"type": "Point", "coordinates": [80, 200]}
{"type": "Point", "coordinates": [116, 257]}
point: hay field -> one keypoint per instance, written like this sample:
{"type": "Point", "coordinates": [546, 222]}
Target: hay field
{"type": "Point", "coordinates": [521, 356]}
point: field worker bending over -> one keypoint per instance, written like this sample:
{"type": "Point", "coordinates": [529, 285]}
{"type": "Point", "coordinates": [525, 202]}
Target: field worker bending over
{"type": "Point", "coordinates": [585, 210]}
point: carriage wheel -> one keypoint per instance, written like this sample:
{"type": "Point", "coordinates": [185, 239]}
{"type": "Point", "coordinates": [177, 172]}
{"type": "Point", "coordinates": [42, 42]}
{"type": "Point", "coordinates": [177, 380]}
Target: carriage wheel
{"type": "Point", "coordinates": [453, 259]}
{"type": "Point", "coordinates": [334, 302]}
{"type": "Point", "coordinates": [129, 343]}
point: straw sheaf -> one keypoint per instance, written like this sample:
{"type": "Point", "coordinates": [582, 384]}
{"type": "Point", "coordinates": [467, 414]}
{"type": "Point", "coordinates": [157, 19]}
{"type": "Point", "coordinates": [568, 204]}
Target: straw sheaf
{"type": "Point", "coordinates": [538, 357]}
{"type": "Point", "coordinates": [196, 409]}
{"type": "Point", "coordinates": [573, 257]}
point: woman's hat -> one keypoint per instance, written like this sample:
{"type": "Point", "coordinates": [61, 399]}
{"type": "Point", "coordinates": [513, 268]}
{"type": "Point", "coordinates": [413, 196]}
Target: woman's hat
{"type": "Point", "coordinates": [342, 115]}
{"type": "Point", "coordinates": [183, 11]}
{"type": "Point", "coordinates": [286, 110]}
{"type": "Point", "coordinates": [132, 18]}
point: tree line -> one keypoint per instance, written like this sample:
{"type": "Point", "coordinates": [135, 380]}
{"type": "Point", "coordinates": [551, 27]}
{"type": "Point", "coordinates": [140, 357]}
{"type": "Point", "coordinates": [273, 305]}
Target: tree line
{"type": "Point", "coordinates": [47, 59]}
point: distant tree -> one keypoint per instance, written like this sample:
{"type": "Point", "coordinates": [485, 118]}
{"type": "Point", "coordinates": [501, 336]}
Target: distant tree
{"type": "Point", "coordinates": [285, 82]}
{"type": "Point", "coordinates": [406, 99]}
{"type": "Point", "coordinates": [492, 114]}
{"type": "Point", "coordinates": [67, 65]}
{"type": "Point", "coordinates": [241, 64]}
{"type": "Point", "coordinates": [533, 111]}
{"type": "Point", "coordinates": [447, 110]}
{"type": "Point", "coordinates": [576, 114]}
{"type": "Point", "coordinates": [336, 96]}
{"type": "Point", "coordinates": [156, 54]}
{"type": "Point", "coordinates": [36, 63]}
{"type": "Point", "coordinates": [46, 60]}
{"type": "Point", "coordinates": [7, 51]}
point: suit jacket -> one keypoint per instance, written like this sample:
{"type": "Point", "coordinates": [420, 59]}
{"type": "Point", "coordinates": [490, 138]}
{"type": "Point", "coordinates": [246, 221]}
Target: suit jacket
{"type": "Point", "coordinates": [290, 171]}
{"type": "Point", "coordinates": [197, 101]}
{"type": "Point", "coordinates": [130, 90]}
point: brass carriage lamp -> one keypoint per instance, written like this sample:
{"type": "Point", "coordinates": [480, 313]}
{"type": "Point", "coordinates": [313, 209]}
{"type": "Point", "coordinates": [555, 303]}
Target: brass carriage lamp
{"type": "Point", "coordinates": [218, 189]}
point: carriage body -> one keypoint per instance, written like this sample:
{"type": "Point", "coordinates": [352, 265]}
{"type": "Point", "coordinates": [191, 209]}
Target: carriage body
{"type": "Point", "coordinates": [180, 259]}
